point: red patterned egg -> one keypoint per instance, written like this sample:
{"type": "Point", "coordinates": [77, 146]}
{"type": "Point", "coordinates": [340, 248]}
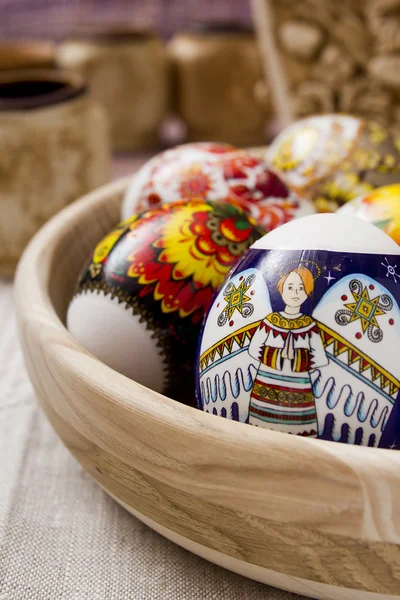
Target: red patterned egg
{"type": "Point", "coordinates": [215, 173]}
{"type": "Point", "coordinates": [143, 193]}
{"type": "Point", "coordinates": [142, 295]}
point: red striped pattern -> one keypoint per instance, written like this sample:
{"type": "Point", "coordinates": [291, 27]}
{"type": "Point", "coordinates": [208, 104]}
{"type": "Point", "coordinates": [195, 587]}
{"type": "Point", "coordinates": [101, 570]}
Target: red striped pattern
{"type": "Point", "coordinates": [283, 387]}
{"type": "Point", "coordinates": [289, 417]}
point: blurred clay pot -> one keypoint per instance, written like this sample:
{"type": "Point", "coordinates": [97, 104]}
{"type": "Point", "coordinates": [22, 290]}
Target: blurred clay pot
{"type": "Point", "coordinates": [27, 54]}
{"type": "Point", "coordinates": [219, 87]}
{"type": "Point", "coordinates": [54, 147]}
{"type": "Point", "coordinates": [127, 72]}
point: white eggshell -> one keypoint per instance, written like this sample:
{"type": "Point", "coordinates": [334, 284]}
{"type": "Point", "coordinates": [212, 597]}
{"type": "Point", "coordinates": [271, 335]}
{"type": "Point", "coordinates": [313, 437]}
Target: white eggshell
{"type": "Point", "coordinates": [120, 330]}
{"type": "Point", "coordinates": [329, 232]}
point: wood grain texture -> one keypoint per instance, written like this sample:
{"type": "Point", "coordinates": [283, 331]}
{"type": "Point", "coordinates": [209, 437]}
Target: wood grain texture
{"type": "Point", "coordinates": [320, 511]}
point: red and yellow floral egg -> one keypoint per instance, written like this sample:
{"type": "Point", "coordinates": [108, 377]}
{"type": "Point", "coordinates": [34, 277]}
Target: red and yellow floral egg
{"type": "Point", "coordinates": [215, 173]}
{"type": "Point", "coordinates": [381, 207]}
{"type": "Point", "coordinates": [141, 297]}
{"type": "Point", "coordinates": [335, 158]}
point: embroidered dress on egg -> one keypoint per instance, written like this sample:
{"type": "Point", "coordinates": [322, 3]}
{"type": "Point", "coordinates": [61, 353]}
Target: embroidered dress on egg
{"type": "Point", "coordinates": [288, 348]}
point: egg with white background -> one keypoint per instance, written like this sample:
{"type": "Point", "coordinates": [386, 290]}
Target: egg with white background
{"type": "Point", "coordinates": [216, 173]}
{"type": "Point", "coordinates": [304, 335]}
{"type": "Point", "coordinates": [144, 193]}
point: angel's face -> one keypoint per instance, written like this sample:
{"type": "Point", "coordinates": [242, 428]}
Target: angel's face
{"type": "Point", "coordinates": [293, 292]}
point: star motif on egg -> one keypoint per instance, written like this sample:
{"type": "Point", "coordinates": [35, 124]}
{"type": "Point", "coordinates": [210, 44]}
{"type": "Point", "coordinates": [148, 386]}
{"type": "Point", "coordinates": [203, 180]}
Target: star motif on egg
{"type": "Point", "coordinates": [329, 278]}
{"type": "Point", "coordinates": [236, 298]}
{"type": "Point", "coordinates": [390, 270]}
{"type": "Point", "coordinates": [365, 308]}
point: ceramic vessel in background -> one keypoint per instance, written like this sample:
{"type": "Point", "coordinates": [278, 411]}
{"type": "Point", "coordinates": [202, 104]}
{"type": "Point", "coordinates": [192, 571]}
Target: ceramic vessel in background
{"type": "Point", "coordinates": [219, 89]}
{"type": "Point", "coordinates": [54, 147]}
{"type": "Point", "coordinates": [27, 54]}
{"type": "Point", "coordinates": [127, 73]}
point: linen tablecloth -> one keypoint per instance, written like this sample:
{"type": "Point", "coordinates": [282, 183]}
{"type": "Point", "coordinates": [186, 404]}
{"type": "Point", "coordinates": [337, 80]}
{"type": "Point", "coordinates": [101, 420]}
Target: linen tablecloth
{"type": "Point", "coordinates": [61, 536]}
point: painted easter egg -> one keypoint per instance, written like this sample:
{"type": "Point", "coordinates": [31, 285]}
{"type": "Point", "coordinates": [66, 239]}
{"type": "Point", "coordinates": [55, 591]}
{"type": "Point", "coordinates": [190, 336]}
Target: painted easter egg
{"type": "Point", "coordinates": [215, 173]}
{"type": "Point", "coordinates": [381, 207]}
{"type": "Point", "coordinates": [335, 158]}
{"type": "Point", "coordinates": [304, 334]}
{"type": "Point", "coordinates": [140, 298]}
{"type": "Point", "coordinates": [143, 194]}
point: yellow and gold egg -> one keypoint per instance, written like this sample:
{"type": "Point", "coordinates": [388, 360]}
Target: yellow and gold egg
{"type": "Point", "coordinates": [381, 207]}
{"type": "Point", "coordinates": [333, 159]}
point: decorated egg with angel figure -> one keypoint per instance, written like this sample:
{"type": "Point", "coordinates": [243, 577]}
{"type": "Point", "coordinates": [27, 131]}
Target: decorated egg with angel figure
{"type": "Point", "coordinates": [215, 172]}
{"type": "Point", "coordinates": [335, 158]}
{"type": "Point", "coordinates": [304, 334]}
{"type": "Point", "coordinates": [142, 295]}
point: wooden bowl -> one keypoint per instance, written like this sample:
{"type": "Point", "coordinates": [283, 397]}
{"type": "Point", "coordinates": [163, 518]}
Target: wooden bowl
{"type": "Point", "coordinates": [313, 517]}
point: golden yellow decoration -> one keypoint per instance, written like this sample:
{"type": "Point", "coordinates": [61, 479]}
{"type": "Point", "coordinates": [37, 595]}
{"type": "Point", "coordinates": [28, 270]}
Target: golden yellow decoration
{"type": "Point", "coordinates": [104, 248]}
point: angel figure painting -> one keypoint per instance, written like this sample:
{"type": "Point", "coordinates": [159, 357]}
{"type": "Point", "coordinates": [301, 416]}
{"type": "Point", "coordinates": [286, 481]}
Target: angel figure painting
{"type": "Point", "coordinates": [288, 346]}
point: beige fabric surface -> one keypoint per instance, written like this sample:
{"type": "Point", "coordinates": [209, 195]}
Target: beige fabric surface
{"type": "Point", "coordinates": [61, 536]}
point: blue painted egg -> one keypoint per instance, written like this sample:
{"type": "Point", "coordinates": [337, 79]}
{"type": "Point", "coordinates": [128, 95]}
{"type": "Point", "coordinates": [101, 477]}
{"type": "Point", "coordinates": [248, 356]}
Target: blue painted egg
{"type": "Point", "coordinates": [304, 334]}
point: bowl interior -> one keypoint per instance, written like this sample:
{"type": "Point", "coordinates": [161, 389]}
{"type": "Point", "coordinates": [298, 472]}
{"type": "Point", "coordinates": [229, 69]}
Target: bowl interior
{"type": "Point", "coordinates": [324, 508]}
{"type": "Point", "coordinates": [74, 247]}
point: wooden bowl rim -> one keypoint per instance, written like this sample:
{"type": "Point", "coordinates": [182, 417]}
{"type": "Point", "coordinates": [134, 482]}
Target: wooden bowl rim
{"type": "Point", "coordinates": [239, 433]}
